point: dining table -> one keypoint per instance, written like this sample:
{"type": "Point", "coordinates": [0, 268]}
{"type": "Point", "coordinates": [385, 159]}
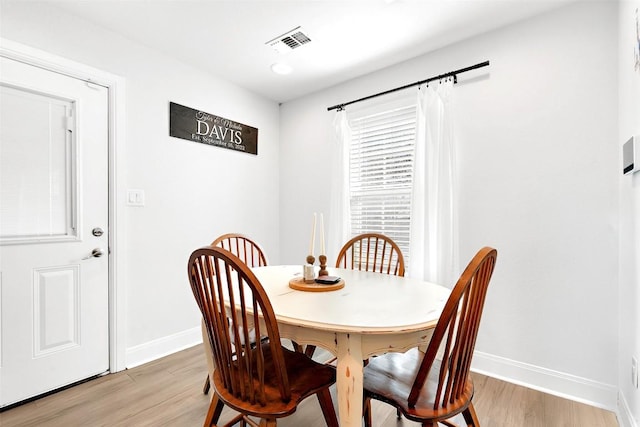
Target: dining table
{"type": "Point", "coordinates": [373, 313]}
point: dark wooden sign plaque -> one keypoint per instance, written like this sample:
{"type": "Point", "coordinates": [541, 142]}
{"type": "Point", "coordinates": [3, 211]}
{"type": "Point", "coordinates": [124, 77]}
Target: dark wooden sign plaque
{"type": "Point", "coordinates": [198, 126]}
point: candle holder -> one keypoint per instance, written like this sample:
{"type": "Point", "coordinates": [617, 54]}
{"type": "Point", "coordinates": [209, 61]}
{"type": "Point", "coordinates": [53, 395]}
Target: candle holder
{"type": "Point", "coordinates": [323, 266]}
{"type": "Point", "coordinates": [309, 273]}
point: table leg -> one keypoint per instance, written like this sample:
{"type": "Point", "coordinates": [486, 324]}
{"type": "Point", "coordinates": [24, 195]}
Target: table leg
{"type": "Point", "coordinates": [349, 372]}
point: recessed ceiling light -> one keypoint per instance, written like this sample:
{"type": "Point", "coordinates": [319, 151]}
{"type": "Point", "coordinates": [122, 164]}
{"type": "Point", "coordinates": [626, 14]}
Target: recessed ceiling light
{"type": "Point", "coordinates": [281, 68]}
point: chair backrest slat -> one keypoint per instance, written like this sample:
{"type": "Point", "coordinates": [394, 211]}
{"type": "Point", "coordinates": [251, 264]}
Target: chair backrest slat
{"type": "Point", "coordinates": [372, 252]}
{"type": "Point", "coordinates": [234, 306]}
{"type": "Point", "coordinates": [458, 328]}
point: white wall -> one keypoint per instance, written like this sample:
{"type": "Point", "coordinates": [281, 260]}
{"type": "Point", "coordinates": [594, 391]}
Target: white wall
{"type": "Point", "coordinates": [629, 124]}
{"type": "Point", "coordinates": [539, 146]}
{"type": "Point", "coordinates": [538, 159]}
{"type": "Point", "coordinates": [193, 192]}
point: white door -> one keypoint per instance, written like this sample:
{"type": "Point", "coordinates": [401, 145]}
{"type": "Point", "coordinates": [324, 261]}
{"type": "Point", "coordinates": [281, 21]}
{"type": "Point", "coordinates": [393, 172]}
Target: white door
{"type": "Point", "coordinates": [53, 231]}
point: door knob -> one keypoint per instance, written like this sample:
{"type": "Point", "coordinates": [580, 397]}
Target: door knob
{"type": "Point", "coordinates": [96, 253]}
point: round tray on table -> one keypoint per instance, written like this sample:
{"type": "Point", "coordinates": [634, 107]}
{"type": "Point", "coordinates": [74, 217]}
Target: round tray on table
{"type": "Point", "coordinates": [298, 283]}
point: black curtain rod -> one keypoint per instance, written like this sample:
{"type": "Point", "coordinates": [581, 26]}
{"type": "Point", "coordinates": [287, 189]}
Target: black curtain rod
{"type": "Point", "coordinates": [441, 76]}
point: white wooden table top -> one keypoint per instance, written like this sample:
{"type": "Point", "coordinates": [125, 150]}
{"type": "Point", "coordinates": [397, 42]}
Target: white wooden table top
{"type": "Point", "coordinates": [374, 313]}
{"type": "Point", "coordinates": [369, 302]}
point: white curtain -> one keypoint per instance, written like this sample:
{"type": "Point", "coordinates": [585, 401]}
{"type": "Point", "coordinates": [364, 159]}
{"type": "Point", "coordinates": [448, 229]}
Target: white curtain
{"type": "Point", "coordinates": [338, 223]}
{"type": "Point", "coordinates": [434, 220]}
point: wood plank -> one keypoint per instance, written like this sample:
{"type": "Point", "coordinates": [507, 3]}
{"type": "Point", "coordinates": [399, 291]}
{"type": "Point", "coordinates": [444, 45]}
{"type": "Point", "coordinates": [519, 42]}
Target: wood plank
{"type": "Point", "coordinates": [168, 392]}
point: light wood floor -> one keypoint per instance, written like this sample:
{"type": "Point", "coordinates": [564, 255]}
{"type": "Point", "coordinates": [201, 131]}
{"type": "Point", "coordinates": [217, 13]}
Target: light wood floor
{"type": "Point", "coordinates": [168, 392]}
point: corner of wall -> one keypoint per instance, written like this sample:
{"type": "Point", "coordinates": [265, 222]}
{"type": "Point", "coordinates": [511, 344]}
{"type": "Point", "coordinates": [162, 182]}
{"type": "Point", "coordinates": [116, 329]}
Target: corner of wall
{"type": "Point", "coordinates": [629, 231]}
{"type": "Point", "coordinates": [625, 417]}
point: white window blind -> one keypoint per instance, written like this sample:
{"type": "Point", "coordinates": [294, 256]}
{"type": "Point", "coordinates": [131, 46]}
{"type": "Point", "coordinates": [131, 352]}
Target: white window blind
{"type": "Point", "coordinates": [381, 172]}
{"type": "Point", "coordinates": [36, 202]}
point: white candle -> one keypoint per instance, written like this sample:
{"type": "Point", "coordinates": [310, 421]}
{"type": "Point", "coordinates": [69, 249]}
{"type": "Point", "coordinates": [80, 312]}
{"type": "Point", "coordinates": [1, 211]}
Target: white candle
{"type": "Point", "coordinates": [322, 252]}
{"type": "Point", "coordinates": [313, 235]}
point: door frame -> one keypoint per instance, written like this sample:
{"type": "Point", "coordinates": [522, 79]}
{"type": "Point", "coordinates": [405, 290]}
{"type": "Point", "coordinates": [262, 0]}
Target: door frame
{"type": "Point", "coordinates": [116, 129]}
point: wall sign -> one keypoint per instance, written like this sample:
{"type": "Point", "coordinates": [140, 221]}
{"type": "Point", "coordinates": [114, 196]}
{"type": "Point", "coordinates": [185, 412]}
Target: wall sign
{"type": "Point", "coordinates": [195, 125]}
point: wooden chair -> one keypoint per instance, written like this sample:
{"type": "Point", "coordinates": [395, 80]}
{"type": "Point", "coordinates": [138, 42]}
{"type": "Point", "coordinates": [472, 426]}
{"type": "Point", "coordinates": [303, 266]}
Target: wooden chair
{"type": "Point", "coordinates": [432, 390]}
{"type": "Point", "coordinates": [369, 252]}
{"type": "Point", "coordinates": [264, 380]}
{"type": "Point", "coordinates": [372, 252]}
{"type": "Point", "coordinates": [249, 251]}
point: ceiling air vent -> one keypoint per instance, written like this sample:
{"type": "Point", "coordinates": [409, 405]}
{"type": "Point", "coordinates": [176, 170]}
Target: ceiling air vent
{"type": "Point", "coordinates": [289, 41]}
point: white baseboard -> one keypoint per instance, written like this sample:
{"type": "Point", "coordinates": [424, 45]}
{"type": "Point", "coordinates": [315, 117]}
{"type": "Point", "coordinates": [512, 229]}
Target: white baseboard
{"type": "Point", "coordinates": [546, 380]}
{"type": "Point", "coordinates": [561, 384]}
{"type": "Point", "coordinates": [161, 347]}
{"type": "Point", "coordinates": [625, 417]}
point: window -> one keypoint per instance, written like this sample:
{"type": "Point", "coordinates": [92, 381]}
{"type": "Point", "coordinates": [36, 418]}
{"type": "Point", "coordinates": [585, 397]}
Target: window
{"type": "Point", "coordinates": [37, 203]}
{"type": "Point", "coordinates": [381, 170]}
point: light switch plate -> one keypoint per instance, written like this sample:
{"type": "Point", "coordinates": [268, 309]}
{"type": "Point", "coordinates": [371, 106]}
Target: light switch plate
{"type": "Point", "coordinates": [135, 197]}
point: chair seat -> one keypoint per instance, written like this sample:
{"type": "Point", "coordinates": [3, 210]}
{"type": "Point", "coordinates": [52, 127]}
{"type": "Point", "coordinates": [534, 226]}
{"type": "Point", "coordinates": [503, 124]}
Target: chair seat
{"type": "Point", "coordinates": [392, 375]}
{"type": "Point", "coordinates": [306, 377]}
